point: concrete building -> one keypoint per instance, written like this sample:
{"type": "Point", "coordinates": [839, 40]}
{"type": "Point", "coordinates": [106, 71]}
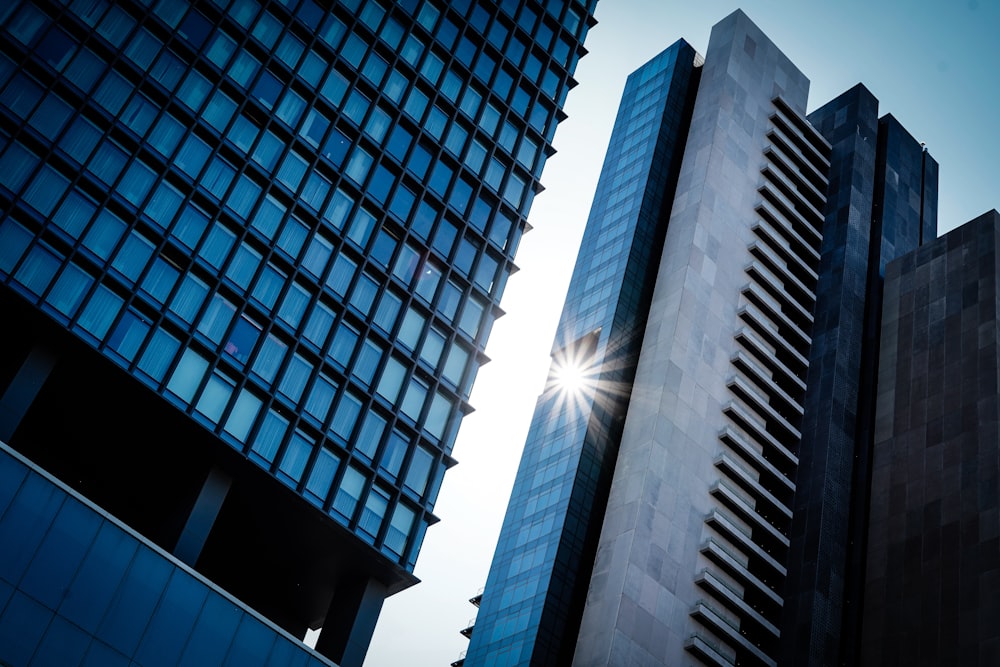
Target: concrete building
{"type": "Point", "coordinates": [695, 502]}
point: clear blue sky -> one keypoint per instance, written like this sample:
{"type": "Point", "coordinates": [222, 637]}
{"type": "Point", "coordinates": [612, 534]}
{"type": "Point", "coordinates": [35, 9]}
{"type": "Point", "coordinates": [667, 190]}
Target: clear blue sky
{"type": "Point", "coordinates": [933, 64]}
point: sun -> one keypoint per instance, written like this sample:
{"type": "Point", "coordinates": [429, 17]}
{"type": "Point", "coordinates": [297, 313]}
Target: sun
{"type": "Point", "coordinates": [570, 377]}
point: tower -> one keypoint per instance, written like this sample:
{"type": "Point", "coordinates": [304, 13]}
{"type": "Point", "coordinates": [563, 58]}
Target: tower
{"type": "Point", "coordinates": [700, 548]}
{"type": "Point", "coordinates": [250, 255]}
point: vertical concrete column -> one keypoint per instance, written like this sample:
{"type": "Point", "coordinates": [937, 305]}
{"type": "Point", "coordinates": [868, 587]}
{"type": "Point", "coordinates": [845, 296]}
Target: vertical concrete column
{"type": "Point", "coordinates": [349, 625]}
{"type": "Point", "coordinates": [203, 514]}
{"type": "Point", "coordinates": [23, 389]}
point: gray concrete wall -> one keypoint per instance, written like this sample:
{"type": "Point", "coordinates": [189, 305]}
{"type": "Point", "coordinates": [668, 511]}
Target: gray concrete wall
{"type": "Point", "coordinates": [643, 589]}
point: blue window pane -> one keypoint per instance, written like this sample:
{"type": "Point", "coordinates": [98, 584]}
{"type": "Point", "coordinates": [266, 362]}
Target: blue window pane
{"type": "Point", "coordinates": [164, 204]}
{"type": "Point", "coordinates": [143, 48]}
{"type": "Point", "coordinates": [322, 474]}
{"type": "Point", "coordinates": [374, 511]}
{"type": "Point", "coordinates": [100, 311]}
{"type": "Point", "coordinates": [268, 287]}
{"type": "Point", "coordinates": [370, 435]}
{"type": "Point", "coordinates": [104, 234]}
{"type": "Point", "coordinates": [21, 628]}
{"type": "Point", "coordinates": [388, 308]}
{"type": "Point", "coordinates": [269, 436]}
{"type": "Point", "coordinates": [213, 633]}
{"type": "Point", "coordinates": [430, 351]}
{"type": "Point", "coordinates": [63, 644]}
{"type": "Point", "coordinates": [136, 599]}
{"type": "Point", "coordinates": [391, 381]}
{"type": "Point", "coordinates": [418, 471]}
{"type": "Point", "coordinates": [214, 397]}
{"type": "Point", "coordinates": [166, 134]}
{"type": "Point", "coordinates": [293, 235]}
{"type": "Point", "coordinates": [346, 415]}
{"type": "Point", "coordinates": [51, 115]}
{"type": "Point", "coordinates": [74, 214]}
{"type": "Point", "coordinates": [269, 357]}
{"type": "Point", "coordinates": [158, 354]}
{"type": "Point", "coordinates": [413, 399]}
{"type": "Point", "coordinates": [37, 269]}
{"type": "Point", "coordinates": [69, 289]}
{"type": "Point", "coordinates": [131, 258]}
{"type": "Point", "coordinates": [321, 398]}
{"type": "Point", "coordinates": [318, 325]}
{"type": "Point", "coordinates": [23, 526]}
{"type": "Point", "coordinates": [294, 305]}
{"type": "Point", "coordinates": [174, 619]}
{"type": "Point", "coordinates": [342, 348]}
{"type": "Point", "coordinates": [368, 361]}
{"type": "Point", "coordinates": [243, 414]}
{"type": "Point", "coordinates": [15, 166]}
{"type": "Point", "coordinates": [188, 374]}
{"type": "Point", "coordinates": [294, 459]}
{"type": "Point", "coordinates": [352, 486]}
{"type": "Point", "coordinates": [295, 378]}
{"type": "Point", "coordinates": [364, 294]}
{"type": "Point", "coordinates": [129, 335]}
{"type": "Point", "coordinates": [189, 298]}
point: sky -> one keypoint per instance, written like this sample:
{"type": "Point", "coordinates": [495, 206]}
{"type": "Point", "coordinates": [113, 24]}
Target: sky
{"type": "Point", "coordinates": [933, 64]}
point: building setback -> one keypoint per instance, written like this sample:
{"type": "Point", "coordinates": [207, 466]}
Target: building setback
{"type": "Point", "coordinates": [739, 473]}
{"type": "Point", "coordinates": [250, 255]}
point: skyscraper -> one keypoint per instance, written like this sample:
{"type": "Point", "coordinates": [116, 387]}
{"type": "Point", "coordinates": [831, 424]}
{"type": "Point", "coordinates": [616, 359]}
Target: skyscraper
{"type": "Point", "coordinates": [251, 253]}
{"type": "Point", "coordinates": [931, 585]}
{"type": "Point", "coordinates": [705, 479]}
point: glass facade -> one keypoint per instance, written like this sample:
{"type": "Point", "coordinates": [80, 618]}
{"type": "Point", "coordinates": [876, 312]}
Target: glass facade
{"type": "Point", "coordinates": [530, 610]}
{"type": "Point", "coordinates": [292, 223]}
{"type": "Point", "coordinates": [68, 569]}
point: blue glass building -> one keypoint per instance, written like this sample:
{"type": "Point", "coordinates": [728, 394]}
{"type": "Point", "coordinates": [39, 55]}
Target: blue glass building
{"type": "Point", "coordinates": [250, 256]}
{"type": "Point", "coordinates": [549, 534]}
{"type": "Point", "coordinates": [702, 498]}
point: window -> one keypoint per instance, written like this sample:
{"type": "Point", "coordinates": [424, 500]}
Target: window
{"type": "Point", "coordinates": [160, 279]}
{"type": "Point", "coordinates": [133, 255]}
{"type": "Point", "coordinates": [216, 319]}
{"type": "Point", "coordinates": [294, 459]}
{"type": "Point", "coordinates": [368, 361]}
{"type": "Point", "coordinates": [346, 415]}
{"type": "Point", "coordinates": [293, 306]}
{"type": "Point", "coordinates": [413, 399]}
{"type": "Point", "coordinates": [370, 435]}
{"type": "Point", "coordinates": [37, 269]}
{"type": "Point", "coordinates": [187, 375]}
{"type": "Point", "coordinates": [399, 529]}
{"type": "Point", "coordinates": [214, 398]}
{"type": "Point", "coordinates": [321, 398]}
{"type": "Point", "coordinates": [189, 297]}
{"type": "Point", "coordinates": [295, 378]}
{"type": "Point", "coordinates": [391, 381]}
{"type": "Point", "coordinates": [269, 436]}
{"type": "Point", "coordinates": [158, 354]}
{"type": "Point", "coordinates": [388, 308]}
{"type": "Point", "coordinates": [352, 486]}
{"type": "Point", "coordinates": [374, 511]}
{"type": "Point", "coordinates": [242, 339]}
{"type": "Point", "coordinates": [322, 474]}
{"type": "Point", "coordinates": [419, 470]}
{"type": "Point", "coordinates": [430, 351]}
{"type": "Point", "coordinates": [69, 289]}
{"type": "Point", "coordinates": [243, 414]}
{"type": "Point", "coordinates": [318, 325]}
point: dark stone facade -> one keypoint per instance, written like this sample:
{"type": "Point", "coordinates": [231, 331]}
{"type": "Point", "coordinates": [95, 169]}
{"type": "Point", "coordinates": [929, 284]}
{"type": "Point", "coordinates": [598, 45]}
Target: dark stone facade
{"type": "Point", "coordinates": [933, 574]}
